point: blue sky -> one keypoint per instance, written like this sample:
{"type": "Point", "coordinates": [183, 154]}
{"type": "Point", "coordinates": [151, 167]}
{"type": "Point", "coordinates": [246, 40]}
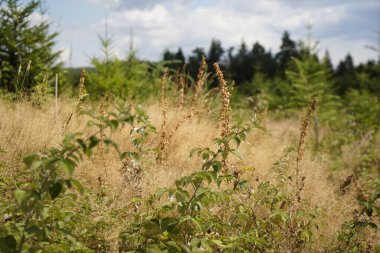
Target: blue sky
{"type": "Point", "coordinates": [342, 26]}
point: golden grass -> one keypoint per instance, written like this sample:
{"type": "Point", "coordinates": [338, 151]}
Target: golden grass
{"type": "Point", "coordinates": [25, 129]}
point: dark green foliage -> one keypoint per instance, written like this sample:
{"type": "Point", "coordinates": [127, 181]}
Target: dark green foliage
{"type": "Point", "coordinates": [352, 237]}
{"type": "Point", "coordinates": [213, 210]}
{"type": "Point", "coordinates": [194, 61]}
{"type": "Point", "coordinates": [368, 75]}
{"type": "Point", "coordinates": [174, 61]}
{"type": "Point", "coordinates": [26, 50]}
{"type": "Point", "coordinates": [346, 76]}
{"type": "Point", "coordinates": [363, 112]}
{"type": "Point", "coordinates": [124, 78]}
{"type": "Point", "coordinates": [42, 217]}
{"type": "Point", "coordinates": [287, 51]}
{"type": "Point", "coordinates": [310, 79]}
{"type": "Point", "coordinates": [241, 66]}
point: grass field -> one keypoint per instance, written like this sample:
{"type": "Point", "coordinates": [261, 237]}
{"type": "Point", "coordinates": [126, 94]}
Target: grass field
{"type": "Point", "coordinates": [115, 189]}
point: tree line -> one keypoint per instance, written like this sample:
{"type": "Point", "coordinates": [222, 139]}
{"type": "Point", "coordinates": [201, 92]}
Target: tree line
{"type": "Point", "coordinates": [28, 59]}
{"type": "Point", "coordinates": [244, 63]}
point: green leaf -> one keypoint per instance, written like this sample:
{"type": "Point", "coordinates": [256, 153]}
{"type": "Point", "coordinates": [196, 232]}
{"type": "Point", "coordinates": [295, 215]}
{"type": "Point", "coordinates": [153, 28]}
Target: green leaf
{"type": "Point", "coordinates": [113, 124]}
{"type": "Point", "coordinates": [224, 154]}
{"type": "Point", "coordinates": [55, 189]}
{"type": "Point", "coordinates": [93, 141]}
{"type": "Point", "coordinates": [192, 151]}
{"type": "Point", "coordinates": [20, 195]}
{"type": "Point", "coordinates": [8, 244]}
{"type": "Point", "coordinates": [68, 166]}
{"type": "Point", "coordinates": [237, 141]}
{"type": "Point", "coordinates": [83, 145]}
{"type": "Point", "coordinates": [28, 160]}
{"type": "Point", "coordinates": [217, 166]}
{"type": "Point", "coordinates": [236, 153]}
{"type": "Point", "coordinates": [372, 225]}
{"type": "Point", "coordinates": [181, 195]}
{"type": "Point", "coordinates": [77, 185]}
{"type": "Point", "coordinates": [160, 192]}
{"type": "Point", "coordinates": [219, 244]}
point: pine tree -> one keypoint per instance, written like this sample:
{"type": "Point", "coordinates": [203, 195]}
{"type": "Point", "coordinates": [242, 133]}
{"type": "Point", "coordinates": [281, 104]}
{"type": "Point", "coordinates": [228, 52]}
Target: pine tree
{"type": "Point", "coordinates": [26, 51]}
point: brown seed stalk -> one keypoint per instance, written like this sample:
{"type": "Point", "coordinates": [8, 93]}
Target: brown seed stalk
{"type": "Point", "coordinates": [225, 110]}
{"type": "Point", "coordinates": [225, 99]}
{"type": "Point", "coordinates": [199, 82]}
{"type": "Point", "coordinates": [181, 88]}
{"type": "Point", "coordinates": [164, 106]}
{"type": "Point", "coordinates": [78, 105]}
{"type": "Point", "coordinates": [301, 144]}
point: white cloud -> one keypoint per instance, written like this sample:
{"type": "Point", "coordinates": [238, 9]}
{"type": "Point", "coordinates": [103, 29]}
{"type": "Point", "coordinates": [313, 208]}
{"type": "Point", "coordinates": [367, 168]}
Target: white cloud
{"type": "Point", "coordinates": [65, 54]}
{"type": "Point", "coordinates": [339, 48]}
{"type": "Point", "coordinates": [105, 3]}
{"type": "Point", "coordinates": [168, 24]}
{"type": "Point", "coordinates": [37, 18]}
{"type": "Point", "coordinates": [159, 27]}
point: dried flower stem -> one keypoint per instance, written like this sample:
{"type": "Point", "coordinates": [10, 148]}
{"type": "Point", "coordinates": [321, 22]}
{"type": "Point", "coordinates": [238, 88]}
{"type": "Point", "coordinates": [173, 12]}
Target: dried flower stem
{"type": "Point", "coordinates": [81, 90]}
{"type": "Point", "coordinates": [225, 111]}
{"type": "Point", "coordinates": [199, 82]}
{"type": "Point", "coordinates": [164, 106]}
{"type": "Point", "coordinates": [78, 105]}
{"type": "Point", "coordinates": [179, 123]}
{"type": "Point", "coordinates": [181, 91]}
{"type": "Point", "coordinates": [301, 145]}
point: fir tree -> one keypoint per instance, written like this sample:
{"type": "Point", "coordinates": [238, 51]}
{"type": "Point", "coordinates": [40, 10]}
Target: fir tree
{"type": "Point", "coordinates": [310, 79]}
{"type": "Point", "coordinates": [26, 50]}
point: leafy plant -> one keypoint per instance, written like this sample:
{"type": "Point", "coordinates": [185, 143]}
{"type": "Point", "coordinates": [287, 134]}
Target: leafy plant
{"type": "Point", "coordinates": [37, 223]}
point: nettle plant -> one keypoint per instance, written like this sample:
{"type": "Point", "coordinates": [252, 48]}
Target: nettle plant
{"type": "Point", "coordinates": [184, 218]}
{"type": "Point", "coordinates": [215, 210]}
{"type": "Point", "coordinates": [37, 221]}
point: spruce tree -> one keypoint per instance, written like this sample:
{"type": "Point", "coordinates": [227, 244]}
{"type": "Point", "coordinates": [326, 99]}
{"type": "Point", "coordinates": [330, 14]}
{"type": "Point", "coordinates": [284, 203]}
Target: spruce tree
{"type": "Point", "coordinates": [26, 50]}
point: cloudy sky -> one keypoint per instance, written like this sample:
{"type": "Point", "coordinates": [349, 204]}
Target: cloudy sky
{"type": "Point", "coordinates": [342, 26]}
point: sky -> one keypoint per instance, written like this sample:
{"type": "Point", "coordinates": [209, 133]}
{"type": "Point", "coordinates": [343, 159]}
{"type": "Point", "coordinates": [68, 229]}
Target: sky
{"type": "Point", "coordinates": [341, 26]}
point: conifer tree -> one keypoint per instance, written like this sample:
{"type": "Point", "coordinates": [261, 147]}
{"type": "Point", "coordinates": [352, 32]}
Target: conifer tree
{"type": "Point", "coordinates": [27, 52]}
{"type": "Point", "coordinates": [310, 79]}
{"type": "Point", "coordinates": [288, 50]}
{"type": "Point", "coordinates": [122, 78]}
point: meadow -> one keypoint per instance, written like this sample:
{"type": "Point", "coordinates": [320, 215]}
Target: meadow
{"type": "Point", "coordinates": [184, 171]}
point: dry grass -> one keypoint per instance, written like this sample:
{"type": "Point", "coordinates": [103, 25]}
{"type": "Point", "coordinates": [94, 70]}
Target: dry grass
{"type": "Point", "coordinates": [25, 129]}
